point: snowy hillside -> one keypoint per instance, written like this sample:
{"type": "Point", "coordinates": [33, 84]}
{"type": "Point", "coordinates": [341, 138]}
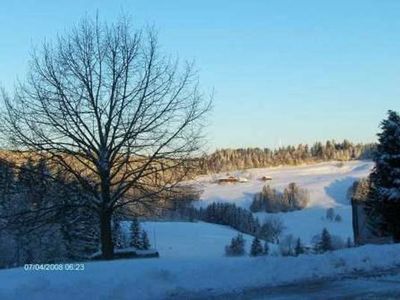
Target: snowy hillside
{"type": "Point", "coordinates": [327, 183]}
{"type": "Point", "coordinates": [192, 260]}
{"type": "Point", "coordinates": [184, 278]}
{"type": "Point", "coordinates": [190, 240]}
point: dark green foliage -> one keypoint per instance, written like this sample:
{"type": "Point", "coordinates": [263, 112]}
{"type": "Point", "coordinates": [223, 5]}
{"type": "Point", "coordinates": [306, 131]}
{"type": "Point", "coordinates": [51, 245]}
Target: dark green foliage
{"type": "Point", "coordinates": [136, 239]}
{"type": "Point", "coordinates": [330, 213]}
{"type": "Point", "coordinates": [50, 221]}
{"type": "Point", "coordinates": [266, 248]}
{"type": "Point", "coordinates": [236, 247]}
{"type": "Point", "coordinates": [145, 241]}
{"type": "Point", "coordinates": [231, 215]}
{"type": "Point", "coordinates": [118, 236]}
{"type": "Point", "coordinates": [324, 243]}
{"type": "Point", "coordinates": [299, 249]}
{"type": "Point", "coordinates": [256, 248]}
{"type": "Point", "coordinates": [384, 196]}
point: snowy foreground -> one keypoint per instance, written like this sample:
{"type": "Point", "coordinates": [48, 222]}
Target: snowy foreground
{"type": "Point", "coordinates": [187, 277]}
{"type": "Point", "coordinates": [192, 264]}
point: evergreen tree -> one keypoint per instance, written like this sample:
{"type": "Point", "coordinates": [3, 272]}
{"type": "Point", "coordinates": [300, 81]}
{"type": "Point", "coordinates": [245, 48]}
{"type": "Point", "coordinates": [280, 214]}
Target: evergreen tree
{"type": "Point", "coordinates": [145, 241]}
{"type": "Point", "coordinates": [330, 213]}
{"type": "Point", "coordinates": [299, 249]}
{"type": "Point", "coordinates": [256, 247]}
{"type": "Point", "coordinates": [384, 197]}
{"type": "Point", "coordinates": [338, 218]}
{"type": "Point", "coordinates": [136, 240]}
{"type": "Point", "coordinates": [325, 242]}
{"type": "Point", "coordinates": [118, 236]}
{"type": "Point", "coordinates": [236, 247]}
{"type": "Point", "coordinates": [266, 248]}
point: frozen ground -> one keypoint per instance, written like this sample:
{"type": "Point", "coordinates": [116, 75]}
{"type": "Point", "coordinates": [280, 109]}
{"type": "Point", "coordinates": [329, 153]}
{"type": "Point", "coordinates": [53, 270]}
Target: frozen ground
{"type": "Point", "coordinates": [199, 278]}
{"type": "Point", "coordinates": [192, 264]}
{"type": "Point", "coordinates": [327, 183]}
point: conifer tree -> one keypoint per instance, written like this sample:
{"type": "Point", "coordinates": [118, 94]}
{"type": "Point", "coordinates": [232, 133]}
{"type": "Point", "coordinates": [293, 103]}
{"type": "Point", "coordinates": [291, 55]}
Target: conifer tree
{"type": "Point", "coordinates": [266, 248]}
{"type": "Point", "coordinates": [256, 247]}
{"type": "Point", "coordinates": [118, 237]}
{"type": "Point", "coordinates": [325, 242]}
{"type": "Point", "coordinates": [384, 197]}
{"type": "Point", "coordinates": [299, 249]}
{"type": "Point", "coordinates": [145, 241]}
{"type": "Point", "coordinates": [236, 247]}
{"type": "Point", "coordinates": [136, 239]}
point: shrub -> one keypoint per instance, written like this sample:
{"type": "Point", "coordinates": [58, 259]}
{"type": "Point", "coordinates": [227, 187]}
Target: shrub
{"type": "Point", "coordinates": [324, 242]}
{"type": "Point", "coordinates": [330, 214]}
{"type": "Point", "coordinates": [236, 247]}
{"type": "Point", "coordinates": [287, 246]}
{"type": "Point", "coordinates": [338, 218]}
{"type": "Point", "coordinates": [272, 229]}
{"type": "Point", "coordinates": [256, 248]}
{"type": "Point", "coordinates": [272, 201]}
{"type": "Point", "coordinates": [299, 249]}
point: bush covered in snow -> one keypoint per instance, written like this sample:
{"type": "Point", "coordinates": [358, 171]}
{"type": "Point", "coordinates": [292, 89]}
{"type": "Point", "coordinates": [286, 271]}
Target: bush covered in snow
{"type": "Point", "coordinates": [326, 242]}
{"type": "Point", "coordinates": [287, 245]}
{"type": "Point", "coordinates": [236, 247]}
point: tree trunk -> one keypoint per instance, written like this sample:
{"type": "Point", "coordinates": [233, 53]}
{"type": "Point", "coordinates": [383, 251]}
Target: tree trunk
{"type": "Point", "coordinates": [107, 247]}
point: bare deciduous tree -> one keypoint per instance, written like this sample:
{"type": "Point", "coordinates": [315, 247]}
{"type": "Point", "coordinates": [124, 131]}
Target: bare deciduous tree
{"type": "Point", "coordinates": [104, 104]}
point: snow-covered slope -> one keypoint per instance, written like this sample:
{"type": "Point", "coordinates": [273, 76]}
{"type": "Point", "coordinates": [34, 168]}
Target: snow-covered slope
{"type": "Point", "coordinates": [181, 278]}
{"type": "Point", "coordinates": [327, 183]}
{"type": "Point", "coordinates": [192, 260]}
{"type": "Point", "coordinates": [190, 240]}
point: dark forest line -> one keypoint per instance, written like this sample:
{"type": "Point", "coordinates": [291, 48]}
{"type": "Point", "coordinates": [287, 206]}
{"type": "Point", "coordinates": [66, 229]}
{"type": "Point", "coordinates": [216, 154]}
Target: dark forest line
{"type": "Point", "coordinates": [247, 158]}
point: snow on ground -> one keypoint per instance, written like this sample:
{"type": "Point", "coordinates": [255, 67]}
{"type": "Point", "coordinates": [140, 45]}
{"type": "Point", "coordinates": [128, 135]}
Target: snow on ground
{"type": "Point", "coordinates": [183, 277]}
{"type": "Point", "coordinates": [327, 183]}
{"type": "Point", "coordinates": [190, 240]}
{"type": "Point", "coordinates": [192, 260]}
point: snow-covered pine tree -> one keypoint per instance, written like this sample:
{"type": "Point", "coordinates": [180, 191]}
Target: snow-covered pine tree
{"type": "Point", "coordinates": [118, 236]}
{"type": "Point", "coordinates": [384, 197]}
{"type": "Point", "coordinates": [325, 242]}
{"type": "Point", "coordinates": [256, 247]}
{"type": "Point", "coordinates": [145, 240]}
{"type": "Point", "coordinates": [299, 249]}
{"type": "Point", "coordinates": [236, 247]}
{"type": "Point", "coordinates": [136, 240]}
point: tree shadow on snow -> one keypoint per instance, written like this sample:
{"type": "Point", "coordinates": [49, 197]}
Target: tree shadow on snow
{"type": "Point", "coordinates": [338, 189]}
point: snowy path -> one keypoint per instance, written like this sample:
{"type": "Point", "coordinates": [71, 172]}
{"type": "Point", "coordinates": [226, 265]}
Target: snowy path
{"type": "Point", "coordinates": [374, 285]}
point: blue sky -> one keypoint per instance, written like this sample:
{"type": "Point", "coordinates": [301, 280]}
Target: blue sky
{"type": "Point", "coordinates": [283, 71]}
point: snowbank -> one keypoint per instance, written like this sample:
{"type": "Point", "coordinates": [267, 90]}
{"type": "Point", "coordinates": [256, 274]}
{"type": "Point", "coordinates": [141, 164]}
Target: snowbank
{"type": "Point", "coordinates": [177, 277]}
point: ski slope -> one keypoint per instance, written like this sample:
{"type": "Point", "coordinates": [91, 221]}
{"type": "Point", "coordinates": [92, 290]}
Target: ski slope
{"type": "Point", "coordinates": [326, 182]}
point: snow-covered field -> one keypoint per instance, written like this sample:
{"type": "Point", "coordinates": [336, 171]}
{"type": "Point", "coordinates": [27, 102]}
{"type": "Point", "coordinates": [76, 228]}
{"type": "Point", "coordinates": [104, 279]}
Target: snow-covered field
{"type": "Point", "coordinates": [186, 277]}
{"type": "Point", "coordinates": [192, 261]}
{"type": "Point", "coordinates": [326, 182]}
